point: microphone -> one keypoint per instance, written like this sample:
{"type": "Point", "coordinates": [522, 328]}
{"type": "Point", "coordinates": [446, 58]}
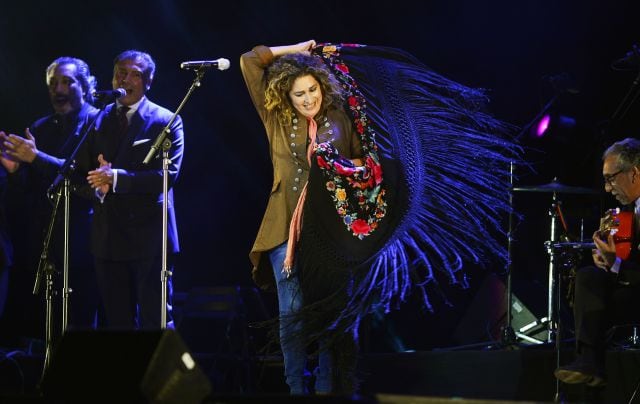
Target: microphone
{"type": "Point", "coordinates": [220, 64]}
{"type": "Point", "coordinates": [109, 94]}
{"type": "Point", "coordinates": [630, 61]}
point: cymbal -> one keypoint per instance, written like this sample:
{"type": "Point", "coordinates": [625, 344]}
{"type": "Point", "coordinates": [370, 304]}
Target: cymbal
{"type": "Point", "coordinates": [555, 186]}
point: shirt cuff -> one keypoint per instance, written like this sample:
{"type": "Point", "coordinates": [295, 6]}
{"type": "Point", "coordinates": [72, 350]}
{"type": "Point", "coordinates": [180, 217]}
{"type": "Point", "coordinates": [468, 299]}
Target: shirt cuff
{"type": "Point", "coordinates": [615, 268]}
{"type": "Point", "coordinates": [115, 180]}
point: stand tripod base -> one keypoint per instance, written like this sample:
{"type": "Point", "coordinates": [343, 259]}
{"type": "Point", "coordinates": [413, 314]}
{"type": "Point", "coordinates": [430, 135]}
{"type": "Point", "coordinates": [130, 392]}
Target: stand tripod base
{"type": "Point", "coordinates": [536, 332]}
{"type": "Point", "coordinates": [532, 340]}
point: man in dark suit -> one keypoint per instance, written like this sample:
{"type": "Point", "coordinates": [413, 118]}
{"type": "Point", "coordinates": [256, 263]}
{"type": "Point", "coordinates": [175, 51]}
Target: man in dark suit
{"type": "Point", "coordinates": [127, 222]}
{"type": "Point", "coordinates": [607, 293]}
{"type": "Point", "coordinates": [32, 170]}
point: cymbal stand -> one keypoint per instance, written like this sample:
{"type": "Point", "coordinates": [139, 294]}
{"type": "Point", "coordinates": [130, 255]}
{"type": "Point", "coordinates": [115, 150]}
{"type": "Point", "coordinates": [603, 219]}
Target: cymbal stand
{"type": "Point", "coordinates": [552, 282]}
{"type": "Point", "coordinates": [554, 291]}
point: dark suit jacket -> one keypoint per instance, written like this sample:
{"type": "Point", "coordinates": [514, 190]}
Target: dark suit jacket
{"type": "Point", "coordinates": [127, 225]}
{"type": "Point", "coordinates": [56, 136]}
{"type": "Point", "coordinates": [6, 247]}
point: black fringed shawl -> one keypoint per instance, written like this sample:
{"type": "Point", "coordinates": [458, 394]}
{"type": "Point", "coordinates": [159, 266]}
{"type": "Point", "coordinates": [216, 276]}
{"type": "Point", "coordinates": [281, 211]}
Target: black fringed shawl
{"type": "Point", "coordinates": [432, 197]}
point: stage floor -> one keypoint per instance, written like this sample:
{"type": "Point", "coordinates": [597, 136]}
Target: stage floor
{"type": "Point", "coordinates": [504, 375]}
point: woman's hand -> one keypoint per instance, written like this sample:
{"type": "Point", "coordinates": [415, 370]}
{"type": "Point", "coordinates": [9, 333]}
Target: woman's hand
{"type": "Point", "coordinates": [305, 47]}
{"type": "Point", "coordinates": [301, 47]}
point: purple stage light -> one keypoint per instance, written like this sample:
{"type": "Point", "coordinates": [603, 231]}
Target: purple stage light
{"type": "Point", "coordinates": [543, 125]}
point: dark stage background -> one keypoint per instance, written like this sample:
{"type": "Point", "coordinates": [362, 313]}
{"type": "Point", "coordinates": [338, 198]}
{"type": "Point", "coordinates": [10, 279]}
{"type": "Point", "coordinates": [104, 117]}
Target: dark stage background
{"type": "Point", "coordinates": [524, 53]}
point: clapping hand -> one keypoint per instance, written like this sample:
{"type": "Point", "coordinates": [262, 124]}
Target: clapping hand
{"type": "Point", "coordinates": [101, 178]}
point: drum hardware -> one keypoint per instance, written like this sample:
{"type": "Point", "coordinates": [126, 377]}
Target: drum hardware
{"type": "Point", "coordinates": [562, 253]}
{"type": "Point", "coordinates": [556, 187]}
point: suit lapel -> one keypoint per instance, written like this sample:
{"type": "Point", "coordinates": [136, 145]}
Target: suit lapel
{"type": "Point", "coordinates": [136, 127]}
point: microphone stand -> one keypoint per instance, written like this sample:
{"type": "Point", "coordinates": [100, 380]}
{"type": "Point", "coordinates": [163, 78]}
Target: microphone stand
{"type": "Point", "coordinates": [633, 58]}
{"type": "Point", "coordinates": [624, 106]}
{"type": "Point", "coordinates": [164, 143]}
{"type": "Point", "coordinates": [507, 334]}
{"type": "Point", "coordinates": [627, 101]}
{"type": "Point", "coordinates": [46, 267]}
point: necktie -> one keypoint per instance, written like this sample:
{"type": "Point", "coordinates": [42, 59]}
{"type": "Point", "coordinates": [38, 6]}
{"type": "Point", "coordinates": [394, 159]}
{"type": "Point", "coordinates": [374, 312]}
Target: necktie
{"type": "Point", "coordinates": [123, 122]}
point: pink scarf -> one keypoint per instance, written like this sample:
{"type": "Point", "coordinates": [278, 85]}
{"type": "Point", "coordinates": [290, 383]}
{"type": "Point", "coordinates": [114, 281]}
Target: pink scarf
{"type": "Point", "coordinates": [296, 221]}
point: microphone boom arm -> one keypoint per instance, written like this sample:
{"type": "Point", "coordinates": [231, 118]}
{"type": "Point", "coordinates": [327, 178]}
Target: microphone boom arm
{"type": "Point", "coordinates": [157, 144]}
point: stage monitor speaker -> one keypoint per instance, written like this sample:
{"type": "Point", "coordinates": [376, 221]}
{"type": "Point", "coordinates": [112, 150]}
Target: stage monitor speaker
{"type": "Point", "coordinates": [486, 315]}
{"type": "Point", "coordinates": [124, 366]}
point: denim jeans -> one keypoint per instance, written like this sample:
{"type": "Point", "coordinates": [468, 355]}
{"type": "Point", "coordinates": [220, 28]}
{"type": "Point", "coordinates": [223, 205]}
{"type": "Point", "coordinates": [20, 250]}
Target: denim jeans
{"type": "Point", "coordinates": [293, 350]}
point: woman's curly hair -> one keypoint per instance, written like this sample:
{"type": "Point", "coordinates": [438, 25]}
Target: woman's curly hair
{"type": "Point", "coordinates": [285, 70]}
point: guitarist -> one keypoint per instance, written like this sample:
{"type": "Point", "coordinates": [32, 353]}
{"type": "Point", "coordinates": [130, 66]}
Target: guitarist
{"type": "Point", "coordinates": [607, 293]}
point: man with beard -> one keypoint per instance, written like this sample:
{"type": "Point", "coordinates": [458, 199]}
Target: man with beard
{"type": "Point", "coordinates": [32, 170]}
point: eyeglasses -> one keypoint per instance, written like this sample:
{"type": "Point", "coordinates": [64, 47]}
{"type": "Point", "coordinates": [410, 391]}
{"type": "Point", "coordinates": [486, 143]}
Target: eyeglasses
{"type": "Point", "coordinates": [610, 178]}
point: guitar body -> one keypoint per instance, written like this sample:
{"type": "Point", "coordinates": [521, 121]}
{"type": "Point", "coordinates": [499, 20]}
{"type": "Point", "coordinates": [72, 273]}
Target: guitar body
{"type": "Point", "coordinates": [620, 224]}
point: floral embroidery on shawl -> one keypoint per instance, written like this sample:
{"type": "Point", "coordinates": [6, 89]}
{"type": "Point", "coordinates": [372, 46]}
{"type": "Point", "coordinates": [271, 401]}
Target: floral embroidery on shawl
{"type": "Point", "coordinates": [358, 193]}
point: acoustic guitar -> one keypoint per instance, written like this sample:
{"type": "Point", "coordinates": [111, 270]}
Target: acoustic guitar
{"type": "Point", "coordinates": [616, 222]}
{"type": "Point", "coordinates": [620, 224]}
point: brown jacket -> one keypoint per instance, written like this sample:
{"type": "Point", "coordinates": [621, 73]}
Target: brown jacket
{"type": "Point", "coordinates": [288, 156]}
